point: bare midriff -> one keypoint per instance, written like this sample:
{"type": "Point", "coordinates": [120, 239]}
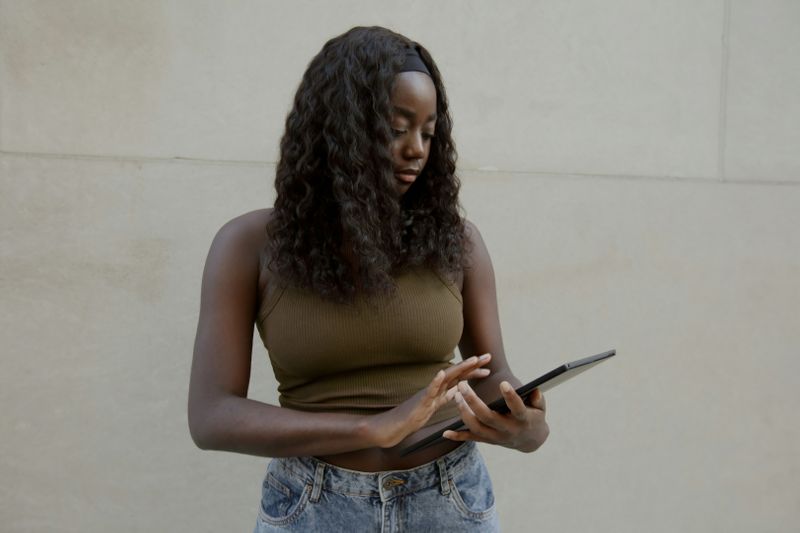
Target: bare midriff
{"type": "Point", "coordinates": [382, 459]}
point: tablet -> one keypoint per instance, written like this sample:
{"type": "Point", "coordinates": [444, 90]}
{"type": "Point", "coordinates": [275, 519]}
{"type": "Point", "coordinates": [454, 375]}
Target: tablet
{"type": "Point", "coordinates": [543, 383]}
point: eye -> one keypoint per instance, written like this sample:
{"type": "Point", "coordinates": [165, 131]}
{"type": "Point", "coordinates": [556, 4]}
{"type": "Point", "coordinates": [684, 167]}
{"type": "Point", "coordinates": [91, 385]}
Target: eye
{"type": "Point", "coordinates": [398, 133]}
{"type": "Point", "coordinates": [428, 136]}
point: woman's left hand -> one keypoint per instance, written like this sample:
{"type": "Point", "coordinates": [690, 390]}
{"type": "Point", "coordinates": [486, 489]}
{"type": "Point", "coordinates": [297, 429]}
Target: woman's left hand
{"type": "Point", "coordinates": [523, 428]}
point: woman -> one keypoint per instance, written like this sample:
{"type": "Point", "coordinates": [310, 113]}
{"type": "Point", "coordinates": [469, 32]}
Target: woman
{"type": "Point", "coordinates": [361, 282]}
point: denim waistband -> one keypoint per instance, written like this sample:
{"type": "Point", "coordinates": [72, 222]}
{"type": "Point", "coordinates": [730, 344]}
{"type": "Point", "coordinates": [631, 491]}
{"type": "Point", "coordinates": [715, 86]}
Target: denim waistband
{"type": "Point", "coordinates": [384, 485]}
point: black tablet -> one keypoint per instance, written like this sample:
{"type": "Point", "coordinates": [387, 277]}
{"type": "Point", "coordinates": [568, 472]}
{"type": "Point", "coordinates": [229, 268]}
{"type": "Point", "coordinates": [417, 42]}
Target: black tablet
{"type": "Point", "coordinates": [543, 383]}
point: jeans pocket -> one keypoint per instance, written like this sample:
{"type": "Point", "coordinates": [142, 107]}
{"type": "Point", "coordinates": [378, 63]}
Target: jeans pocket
{"type": "Point", "coordinates": [283, 498]}
{"type": "Point", "coordinates": [471, 492]}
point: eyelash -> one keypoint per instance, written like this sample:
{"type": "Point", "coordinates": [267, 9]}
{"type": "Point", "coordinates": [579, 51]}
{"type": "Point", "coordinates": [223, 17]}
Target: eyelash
{"type": "Point", "coordinates": [397, 133]}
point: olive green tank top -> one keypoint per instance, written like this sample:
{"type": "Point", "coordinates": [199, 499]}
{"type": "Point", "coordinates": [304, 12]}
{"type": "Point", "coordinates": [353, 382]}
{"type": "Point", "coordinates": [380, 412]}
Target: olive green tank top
{"type": "Point", "coordinates": [362, 357]}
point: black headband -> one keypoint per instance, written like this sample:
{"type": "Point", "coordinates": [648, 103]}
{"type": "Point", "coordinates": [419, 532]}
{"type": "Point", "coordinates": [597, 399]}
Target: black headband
{"type": "Point", "coordinates": [414, 63]}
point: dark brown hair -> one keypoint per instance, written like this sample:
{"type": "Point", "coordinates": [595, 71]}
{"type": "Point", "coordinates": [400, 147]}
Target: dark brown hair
{"type": "Point", "coordinates": [335, 184]}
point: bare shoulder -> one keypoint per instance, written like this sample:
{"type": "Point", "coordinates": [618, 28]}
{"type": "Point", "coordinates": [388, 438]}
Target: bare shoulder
{"type": "Point", "coordinates": [242, 238]}
{"type": "Point", "coordinates": [236, 251]}
{"type": "Point", "coordinates": [247, 229]}
{"type": "Point", "coordinates": [471, 231]}
{"type": "Point", "coordinates": [475, 250]}
{"type": "Point", "coordinates": [476, 247]}
{"type": "Point", "coordinates": [478, 265]}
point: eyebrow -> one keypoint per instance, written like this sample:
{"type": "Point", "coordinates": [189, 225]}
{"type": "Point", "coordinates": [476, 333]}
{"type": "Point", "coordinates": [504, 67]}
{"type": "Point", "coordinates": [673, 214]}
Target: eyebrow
{"type": "Point", "coordinates": [410, 114]}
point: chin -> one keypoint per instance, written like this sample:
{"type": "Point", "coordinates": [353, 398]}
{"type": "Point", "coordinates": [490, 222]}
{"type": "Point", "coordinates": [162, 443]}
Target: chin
{"type": "Point", "coordinates": [402, 187]}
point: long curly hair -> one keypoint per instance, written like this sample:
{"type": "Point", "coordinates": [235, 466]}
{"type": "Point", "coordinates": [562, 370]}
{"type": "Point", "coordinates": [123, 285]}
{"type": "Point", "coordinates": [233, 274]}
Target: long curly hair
{"type": "Point", "coordinates": [338, 226]}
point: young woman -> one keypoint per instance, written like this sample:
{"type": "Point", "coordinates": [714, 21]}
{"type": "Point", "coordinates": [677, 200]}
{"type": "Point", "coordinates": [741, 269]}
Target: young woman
{"type": "Point", "coordinates": [361, 280]}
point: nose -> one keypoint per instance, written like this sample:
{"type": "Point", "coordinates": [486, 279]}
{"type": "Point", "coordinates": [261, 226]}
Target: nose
{"type": "Point", "coordinates": [414, 148]}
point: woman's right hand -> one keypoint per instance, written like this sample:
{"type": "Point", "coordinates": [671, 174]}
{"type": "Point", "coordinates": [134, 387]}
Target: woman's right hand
{"type": "Point", "coordinates": [389, 428]}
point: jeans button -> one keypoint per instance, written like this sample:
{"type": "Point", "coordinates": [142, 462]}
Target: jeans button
{"type": "Point", "coordinates": [392, 482]}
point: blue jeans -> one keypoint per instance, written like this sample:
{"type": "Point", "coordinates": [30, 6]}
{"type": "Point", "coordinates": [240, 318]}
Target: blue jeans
{"type": "Point", "coordinates": [452, 493]}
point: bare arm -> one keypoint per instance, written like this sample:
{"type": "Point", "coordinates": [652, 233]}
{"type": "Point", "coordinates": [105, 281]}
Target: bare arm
{"type": "Point", "coordinates": [482, 332]}
{"type": "Point", "coordinates": [524, 428]}
{"type": "Point", "coordinates": [221, 417]}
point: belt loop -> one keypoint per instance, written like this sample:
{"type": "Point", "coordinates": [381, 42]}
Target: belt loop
{"type": "Point", "coordinates": [317, 489]}
{"type": "Point", "coordinates": [443, 478]}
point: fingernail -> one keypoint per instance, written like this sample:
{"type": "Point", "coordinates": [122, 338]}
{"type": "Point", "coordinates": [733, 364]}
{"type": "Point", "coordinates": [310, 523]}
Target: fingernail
{"type": "Point", "coordinates": [484, 357]}
{"type": "Point", "coordinates": [459, 398]}
{"type": "Point", "coordinates": [485, 371]}
{"type": "Point", "coordinates": [506, 387]}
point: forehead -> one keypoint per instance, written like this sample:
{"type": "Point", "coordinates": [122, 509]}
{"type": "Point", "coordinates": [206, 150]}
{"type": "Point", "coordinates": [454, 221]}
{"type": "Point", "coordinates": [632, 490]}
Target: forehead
{"type": "Point", "coordinates": [414, 91]}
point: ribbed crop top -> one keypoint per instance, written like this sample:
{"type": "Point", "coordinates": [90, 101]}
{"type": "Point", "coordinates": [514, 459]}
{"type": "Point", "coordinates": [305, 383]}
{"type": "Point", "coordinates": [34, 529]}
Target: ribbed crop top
{"type": "Point", "coordinates": [363, 357]}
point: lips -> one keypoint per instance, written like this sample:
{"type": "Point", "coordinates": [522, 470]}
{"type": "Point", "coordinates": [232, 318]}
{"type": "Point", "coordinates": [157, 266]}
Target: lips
{"type": "Point", "coordinates": [406, 175]}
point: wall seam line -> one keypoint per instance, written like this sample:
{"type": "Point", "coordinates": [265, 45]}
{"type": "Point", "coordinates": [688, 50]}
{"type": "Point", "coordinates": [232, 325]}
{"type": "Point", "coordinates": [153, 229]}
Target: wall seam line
{"type": "Point", "coordinates": [243, 162]}
{"type": "Point", "coordinates": [2, 85]}
{"type": "Point", "coordinates": [722, 125]}
{"type": "Point", "coordinates": [136, 158]}
{"type": "Point", "coordinates": [462, 171]}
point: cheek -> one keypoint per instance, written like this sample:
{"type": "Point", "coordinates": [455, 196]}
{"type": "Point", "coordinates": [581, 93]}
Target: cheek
{"type": "Point", "coordinates": [427, 152]}
{"type": "Point", "coordinates": [396, 150]}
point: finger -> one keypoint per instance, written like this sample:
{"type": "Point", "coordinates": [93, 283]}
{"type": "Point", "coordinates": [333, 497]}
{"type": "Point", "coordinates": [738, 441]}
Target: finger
{"type": "Point", "coordinates": [463, 370]}
{"type": "Point", "coordinates": [456, 435]}
{"type": "Point", "coordinates": [461, 436]}
{"type": "Point", "coordinates": [515, 404]}
{"type": "Point", "coordinates": [478, 430]}
{"type": "Point", "coordinates": [435, 386]}
{"type": "Point", "coordinates": [451, 393]}
{"type": "Point", "coordinates": [469, 362]}
{"type": "Point", "coordinates": [459, 371]}
{"type": "Point", "coordinates": [537, 400]}
{"type": "Point", "coordinates": [478, 373]}
{"type": "Point", "coordinates": [463, 406]}
{"type": "Point", "coordinates": [478, 408]}
{"type": "Point", "coordinates": [467, 365]}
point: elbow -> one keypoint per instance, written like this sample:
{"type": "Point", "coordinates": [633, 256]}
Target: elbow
{"type": "Point", "coordinates": [201, 428]}
{"type": "Point", "coordinates": [200, 437]}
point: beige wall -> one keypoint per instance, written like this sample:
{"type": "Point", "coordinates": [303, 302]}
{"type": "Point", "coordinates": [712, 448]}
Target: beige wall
{"type": "Point", "coordinates": [633, 166]}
